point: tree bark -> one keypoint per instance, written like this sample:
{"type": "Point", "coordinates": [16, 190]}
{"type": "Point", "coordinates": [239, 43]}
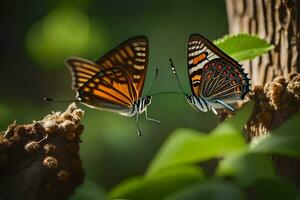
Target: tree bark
{"type": "Point", "coordinates": [275, 82]}
{"type": "Point", "coordinates": [277, 21]}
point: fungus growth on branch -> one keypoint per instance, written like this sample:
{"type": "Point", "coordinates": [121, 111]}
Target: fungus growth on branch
{"type": "Point", "coordinates": [41, 160]}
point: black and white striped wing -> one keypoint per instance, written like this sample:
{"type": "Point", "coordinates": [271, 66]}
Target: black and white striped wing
{"type": "Point", "coordinates": [212, 73]}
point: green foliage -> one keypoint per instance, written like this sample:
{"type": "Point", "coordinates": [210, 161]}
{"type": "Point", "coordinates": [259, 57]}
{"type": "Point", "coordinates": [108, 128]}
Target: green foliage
{"type": "Point", "coordinates": [183, 147]}
{"type": "Point", "coordinates": [188, 146]}
{"type": "Point", "coordinates": [247, 168]}
{"type": "Point", "coordinates": [210, 190]}
{"type": "Point", "coordinates": [243, 46]}
{"type": "Point", "coordinates": [159, 185]}
{"type": "Point", "coordinates": [175, 174]}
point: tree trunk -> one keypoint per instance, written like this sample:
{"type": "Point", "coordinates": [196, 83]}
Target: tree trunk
{"type": "Point", "coordinates": [277, 21]}
{"type": "Point", "coordinates": [276, 84]}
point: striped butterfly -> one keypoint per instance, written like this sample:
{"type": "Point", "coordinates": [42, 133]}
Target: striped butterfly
{"type": "Point", "coordinates": [115, 82]}
{"type": "Point", "coordinates": [216, 80]}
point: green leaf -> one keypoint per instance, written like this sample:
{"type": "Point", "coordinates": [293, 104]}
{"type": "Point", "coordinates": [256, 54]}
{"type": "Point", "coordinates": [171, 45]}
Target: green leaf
{"type": "Point", "coordinates": [247, 168]}
{"type": "Point", "coordinates": [211, 190]}
{"type": "Point", "coordinates": [284, 140]}
{"type": "Point", "coordinates": [243, 46]}
{"type": "Point", "coordinates": [189, 146]}
{"type": "Point", "coordinates": [158, 185]}
{"type": "Point", "coordinates": [235, 124]}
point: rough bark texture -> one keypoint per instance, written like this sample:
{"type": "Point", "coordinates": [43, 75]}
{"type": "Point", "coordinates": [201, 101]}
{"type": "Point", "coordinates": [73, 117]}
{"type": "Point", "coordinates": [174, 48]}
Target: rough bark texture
{"type": "Point", "coordinates": [274, 74]}
{"type": "Point", "coordinates": [278, 21]}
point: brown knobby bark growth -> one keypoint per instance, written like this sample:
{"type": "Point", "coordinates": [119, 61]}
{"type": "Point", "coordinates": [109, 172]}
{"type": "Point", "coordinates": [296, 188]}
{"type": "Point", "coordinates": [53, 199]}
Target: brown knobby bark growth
{"type": "Point", "coordinates": [275, 75]}
{"type": "Point", "coordinates": [41, 160]}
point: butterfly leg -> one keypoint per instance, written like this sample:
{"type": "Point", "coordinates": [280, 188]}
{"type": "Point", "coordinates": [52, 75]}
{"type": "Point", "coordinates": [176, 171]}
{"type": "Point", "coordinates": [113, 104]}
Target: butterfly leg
{"type": "Point", "coordinates": [137, 125]}
{"type": "Point", "coordinates": [214, 110]}
{"type": "Point", "coordinates": [150, 119]}
{"type": "Point", "coordinates": [225, 105]}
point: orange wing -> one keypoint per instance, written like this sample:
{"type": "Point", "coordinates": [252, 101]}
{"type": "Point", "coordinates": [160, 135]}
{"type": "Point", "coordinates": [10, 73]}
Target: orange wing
{"type": "Point", "coordinates": [110, 88]}
{"type": "Point", "coordinates": [82, 70]}
{"type": "Point", "coordinates": [132, 57]}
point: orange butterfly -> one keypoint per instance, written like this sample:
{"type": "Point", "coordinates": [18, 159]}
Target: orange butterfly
{"type": "Point", "coordinates": [115, 82]}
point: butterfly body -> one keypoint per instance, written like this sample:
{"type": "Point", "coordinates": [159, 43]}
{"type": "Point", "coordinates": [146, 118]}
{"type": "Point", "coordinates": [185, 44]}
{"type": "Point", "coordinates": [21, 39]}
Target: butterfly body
{"type": "Point", "coordinates": [138, 107]}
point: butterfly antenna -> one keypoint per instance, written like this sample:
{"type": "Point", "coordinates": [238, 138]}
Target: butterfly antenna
{"type": "Point", "coordinates": [161, 93]}
{"type": "Point", "coordinates": [153, 82]}
{"type": "Point", "coordinates": [176, 76]}
{"type": "Point", "coordinates": [59, 100]}
{"type": "Point", "coordinates": [137, 125]}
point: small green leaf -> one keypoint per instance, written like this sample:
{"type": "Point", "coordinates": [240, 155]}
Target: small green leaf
{"type": "Point", "coordinates": [243, 46]}
{"type": "Point", "coordinates": [189, 146]}
{"type": "Point", "coordinates": [247, 168]}
{"type": "Point", "coordinates": [159, 185]}
{"type": "Point", "coordinates": [285, 140]}
{"type": "Point", "coordinates": [235, 124]}
{"type": "Point", "coordinates": [212, 190]}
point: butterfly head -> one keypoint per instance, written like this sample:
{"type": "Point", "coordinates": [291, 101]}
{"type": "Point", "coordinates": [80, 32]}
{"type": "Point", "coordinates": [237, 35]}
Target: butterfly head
{"type": "Point", "coordinates": [189, 98]}
{"type": "Point", "coordinates": [142, 103]}
{"type": "Point", "coordinates": [147, 100]}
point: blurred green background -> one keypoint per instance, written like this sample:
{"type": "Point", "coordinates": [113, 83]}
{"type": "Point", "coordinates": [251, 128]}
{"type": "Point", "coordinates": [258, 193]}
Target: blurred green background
{"type": "Point", "coordinates": [36, 36]}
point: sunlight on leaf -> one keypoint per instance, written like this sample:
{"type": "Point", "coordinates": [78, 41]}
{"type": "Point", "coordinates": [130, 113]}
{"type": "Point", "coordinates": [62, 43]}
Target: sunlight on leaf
{"type": "Point", "coordinates": [243, 46]}
{"type": "Point", "coordinates": [159, 185]}
{"type": "Point", "coordinates": [189, 146]}
{"type": "Point", "coordinates": [247, 168]}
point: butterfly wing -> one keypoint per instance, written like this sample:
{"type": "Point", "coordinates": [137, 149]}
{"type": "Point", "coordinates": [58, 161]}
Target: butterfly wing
{"type": "Point", "coordinates": [213, 74]}
{"type": "Point", "coordinates": [110, 89]}
{"type": "Point", "coordinates": [81, 70]}
{"type": "Point", "coordinates": [131, 56]}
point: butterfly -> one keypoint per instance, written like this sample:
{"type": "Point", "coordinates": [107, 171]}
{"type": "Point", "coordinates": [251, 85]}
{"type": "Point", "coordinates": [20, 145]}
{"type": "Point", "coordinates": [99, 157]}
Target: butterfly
{"type": "Point", "coordinates": [114, 82]}
{"type": "Point", "coordinates": [216, 80]}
